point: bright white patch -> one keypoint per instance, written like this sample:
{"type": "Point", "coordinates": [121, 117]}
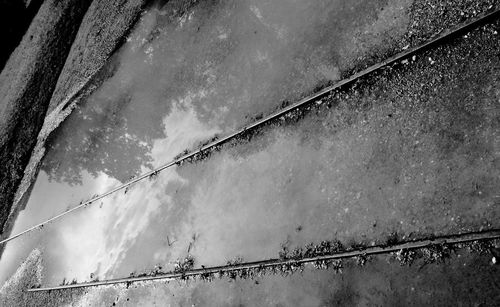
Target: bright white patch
{"type": "Point", "coordinates": [256, 12]}
{"type": "Point", "coordinates": [183, 129]}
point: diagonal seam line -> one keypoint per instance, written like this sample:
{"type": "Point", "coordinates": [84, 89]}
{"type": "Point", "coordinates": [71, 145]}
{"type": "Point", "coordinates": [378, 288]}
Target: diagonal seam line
{"type": "Point", "coordinates": [475, 22]}
{"type": "Point", "coordinates": [486, 235]}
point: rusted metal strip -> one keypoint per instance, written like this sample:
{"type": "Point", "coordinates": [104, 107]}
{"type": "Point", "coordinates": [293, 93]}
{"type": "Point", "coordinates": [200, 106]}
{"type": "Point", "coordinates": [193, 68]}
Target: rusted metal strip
{"type": "Point", "coordinates": [375, 250]}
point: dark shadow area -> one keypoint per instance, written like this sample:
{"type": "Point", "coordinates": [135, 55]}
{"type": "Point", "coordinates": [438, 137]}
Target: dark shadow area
{"type": "Point", "coordinates": [15, 17]}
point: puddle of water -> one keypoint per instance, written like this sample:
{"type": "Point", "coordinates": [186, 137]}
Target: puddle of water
{"type": "Point", "coordinates": [176, 88]}
{"type": "Point", "coordinates": [180, 80]}
{"type": "Point", "coordinates": [381, 281]}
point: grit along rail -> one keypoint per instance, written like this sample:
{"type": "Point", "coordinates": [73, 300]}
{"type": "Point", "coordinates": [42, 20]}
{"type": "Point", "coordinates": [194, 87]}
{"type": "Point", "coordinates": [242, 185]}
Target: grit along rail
{"type": "Point", "coordinates": [263, 265]}
{"type": "Point", "coordinates": [442, 37]}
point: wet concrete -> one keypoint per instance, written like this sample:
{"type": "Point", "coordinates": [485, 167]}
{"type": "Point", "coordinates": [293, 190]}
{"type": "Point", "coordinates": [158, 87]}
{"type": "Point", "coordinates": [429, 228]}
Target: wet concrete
{"type": "Point", "coordinates": [393, 154]}
{"type": "Point", "coordinates": [463, 279]}
{"type": "Point", "coordinates": [13, 292]}
{"type": "Point", "coordinates": [467, 279]}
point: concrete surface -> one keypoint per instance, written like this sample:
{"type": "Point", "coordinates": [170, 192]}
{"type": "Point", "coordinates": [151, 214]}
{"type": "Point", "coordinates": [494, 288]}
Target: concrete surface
{"type": "Point", "coordinates": [413, 150]}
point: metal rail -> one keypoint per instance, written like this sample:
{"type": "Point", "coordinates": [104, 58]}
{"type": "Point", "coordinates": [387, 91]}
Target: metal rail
{"type": "Point", "coordinates": [450, 239]}
{"type": "Point", "coordinates": [452, 32]}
